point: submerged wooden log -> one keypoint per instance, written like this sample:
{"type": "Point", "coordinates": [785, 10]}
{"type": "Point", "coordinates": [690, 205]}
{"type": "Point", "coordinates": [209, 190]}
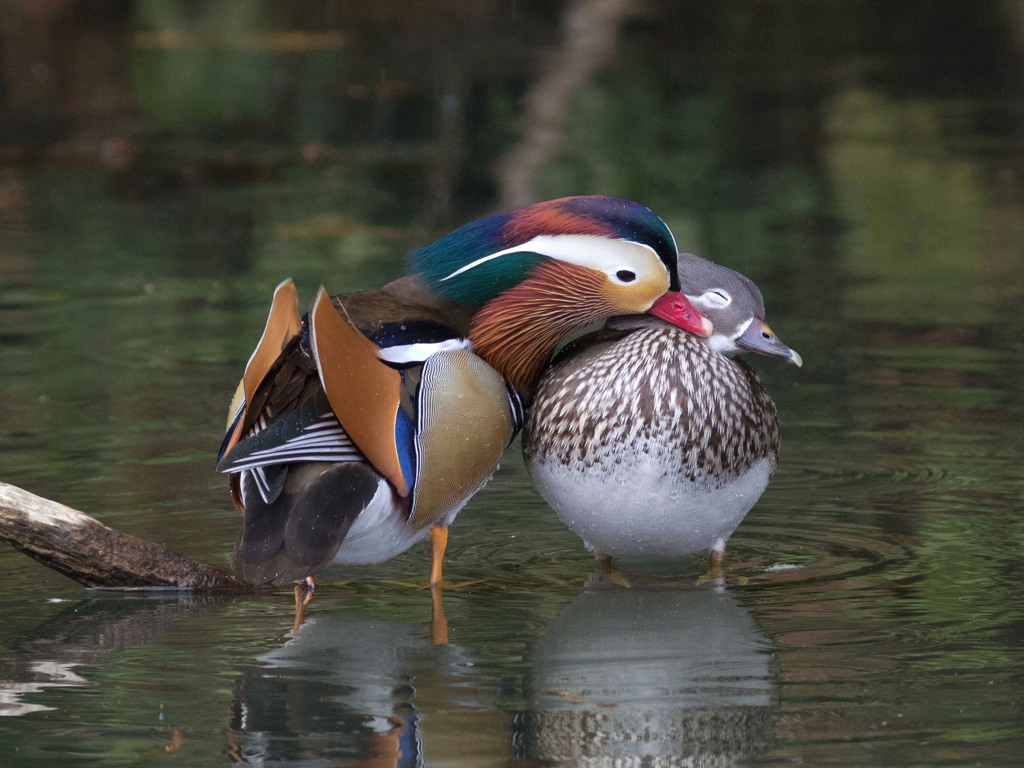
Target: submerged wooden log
{"type": "Point", "coordinates": [96, 555]}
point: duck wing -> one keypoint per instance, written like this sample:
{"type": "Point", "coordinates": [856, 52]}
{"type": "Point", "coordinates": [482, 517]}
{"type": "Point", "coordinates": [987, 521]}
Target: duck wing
{"type": "Point", "coordinates": [341, 416]}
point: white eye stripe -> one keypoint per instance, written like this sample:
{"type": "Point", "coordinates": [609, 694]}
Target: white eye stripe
{"type": "Point", "coordinates": [601, 253]}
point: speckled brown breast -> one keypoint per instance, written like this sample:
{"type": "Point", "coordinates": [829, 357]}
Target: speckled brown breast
{"type": "Point", "coordinates": [658, 390]}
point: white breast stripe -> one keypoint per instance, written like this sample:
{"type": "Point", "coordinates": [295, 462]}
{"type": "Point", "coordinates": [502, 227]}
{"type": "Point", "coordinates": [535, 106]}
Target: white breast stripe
{"type": "Point", "coordinates": [417, 353]}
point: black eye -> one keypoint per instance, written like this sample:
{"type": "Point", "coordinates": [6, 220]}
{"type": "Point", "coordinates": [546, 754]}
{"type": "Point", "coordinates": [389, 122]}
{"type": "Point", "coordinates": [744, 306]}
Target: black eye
{"type": "Point", "coordinates": [625, 275]}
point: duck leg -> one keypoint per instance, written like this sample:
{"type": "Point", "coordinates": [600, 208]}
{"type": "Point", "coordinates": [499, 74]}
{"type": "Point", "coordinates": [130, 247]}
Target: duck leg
{"type": "Point", "coordinates": [604, 568]}
{"type": "Point", "coordinates": [303, 595]}
{"type": "Point", "coordinates": [438, 544]}
{"type": "Point", "coordinates": [603, 563]}
{"type": "Point", "coordinates": [715, 559]}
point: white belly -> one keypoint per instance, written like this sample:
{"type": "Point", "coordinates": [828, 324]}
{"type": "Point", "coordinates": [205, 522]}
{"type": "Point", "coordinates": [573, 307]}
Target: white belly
{"type": "Point", "coordinates": [638, 509]}
{"type": "Point", "coordinates": [379, 532]}
{"type": "Point", "coordinates": [653, 445]}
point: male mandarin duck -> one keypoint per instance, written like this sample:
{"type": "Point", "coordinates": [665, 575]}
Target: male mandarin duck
{"type": "Point", "coordinates": [364, 427]}
{"type": "Point", "coordinates": [649, 441]}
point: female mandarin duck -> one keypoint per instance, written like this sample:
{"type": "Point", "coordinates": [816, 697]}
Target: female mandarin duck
{"type": "Point", "coordinates": [649, 441]}
{"type": "Point", "coordinates": [364, 427]}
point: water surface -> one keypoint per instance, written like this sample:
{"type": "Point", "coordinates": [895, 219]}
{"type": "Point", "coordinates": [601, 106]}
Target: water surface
{"type": "Point", "coordinates": [863, 169]}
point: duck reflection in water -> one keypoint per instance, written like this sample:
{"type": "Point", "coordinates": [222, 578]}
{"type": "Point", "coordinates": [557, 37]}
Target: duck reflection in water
{"type": "Point", "coordinates": [653, 675]}
{"type": "Point", "coordinates": [352, 689]}
{"type": "Point", "coordinates": [657, 674]}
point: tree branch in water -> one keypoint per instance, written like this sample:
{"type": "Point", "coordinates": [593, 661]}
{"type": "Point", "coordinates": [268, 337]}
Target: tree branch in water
{"type": "Point", "coordinates": [96, 555]}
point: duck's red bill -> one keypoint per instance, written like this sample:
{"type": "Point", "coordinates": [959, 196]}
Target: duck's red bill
{"type": "Point", "coordinates": [675, 308]}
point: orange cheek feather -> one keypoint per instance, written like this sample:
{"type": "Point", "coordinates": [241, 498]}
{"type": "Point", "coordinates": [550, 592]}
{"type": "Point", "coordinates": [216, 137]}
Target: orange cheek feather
{"type": "Point", "coordinates": [517, 332]}
{"type": "Point", "coordinates": [635, 297]}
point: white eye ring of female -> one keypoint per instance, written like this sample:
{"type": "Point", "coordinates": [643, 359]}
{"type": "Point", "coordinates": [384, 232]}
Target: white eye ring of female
{"type": "Point", "coordinates": [619, 259]}
{"type": "Point", "coordinates": [714, 298]}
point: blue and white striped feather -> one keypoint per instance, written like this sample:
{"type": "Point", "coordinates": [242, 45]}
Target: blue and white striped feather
{"type": "Point", "coordinates": [322, 440]}
{"type": "Point", "coordinates": [313, 433]}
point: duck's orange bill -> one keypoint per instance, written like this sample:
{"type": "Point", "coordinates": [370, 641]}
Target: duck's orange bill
{"type": "Point", "coordinates": [363, 391]}
{"type": "Point", "coordinates": [675, 308]}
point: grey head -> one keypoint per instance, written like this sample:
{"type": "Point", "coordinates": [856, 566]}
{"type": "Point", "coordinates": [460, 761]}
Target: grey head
{"type": "Point", "coordinates": [734, 305]}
